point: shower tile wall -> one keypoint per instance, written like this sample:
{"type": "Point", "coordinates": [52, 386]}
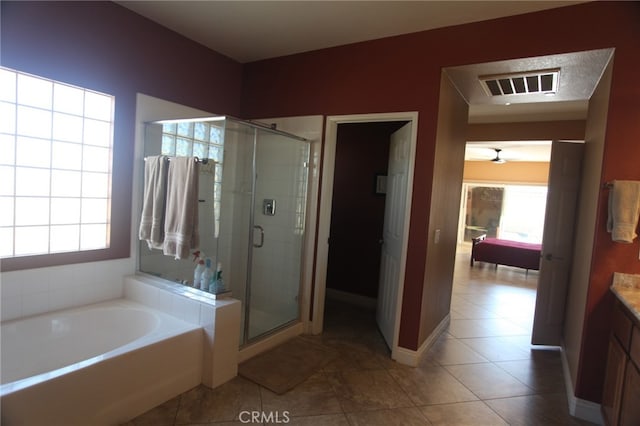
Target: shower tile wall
{"type": "Point", "coordinates": [277, 265]}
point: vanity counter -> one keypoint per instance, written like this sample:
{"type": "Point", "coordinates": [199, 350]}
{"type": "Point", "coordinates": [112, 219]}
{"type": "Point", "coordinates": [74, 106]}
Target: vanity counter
{"type": "Point", "coordinates": [626, 287]}
{"type": "Point", "coordinates": [621, 391]}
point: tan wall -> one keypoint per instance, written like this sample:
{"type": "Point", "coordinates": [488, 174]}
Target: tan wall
{"type": "Point", "coordinates": [541, 130]}
{"type": "Point", "coordinates": [511, 172]}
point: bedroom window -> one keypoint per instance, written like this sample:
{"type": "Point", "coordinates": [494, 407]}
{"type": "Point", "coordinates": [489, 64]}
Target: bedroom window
{"type": "Point", "coordinates": [56, 149]}
{"type": "Point", "coordinates": [523, 211]}
{"type": "Point", "coordinates": [510, 212]}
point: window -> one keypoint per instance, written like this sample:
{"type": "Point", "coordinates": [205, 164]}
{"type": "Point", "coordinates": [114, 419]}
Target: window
{"type": "Point", "coordinates": [523, 213]}
{"type": "Point", "coordinates": [510, 212]}
{"type": "Point", "coordinates": [202, 139]}
{"type": "Point", "coordinates": [56, 149]}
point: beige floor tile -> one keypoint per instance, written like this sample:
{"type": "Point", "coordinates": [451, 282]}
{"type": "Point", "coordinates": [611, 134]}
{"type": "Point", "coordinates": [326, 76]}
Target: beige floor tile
{"type": "Point", "coordinates": [392, 417]}
{"type": "Point", "coordinates": [496, 348]}
{"type": "Point", "coordinates": [312, 397]}
{"type": "Point", "coordinates": [431, 385]}
{"type": "Point", "coordinates": [462, 414]}
{"type": "Point", "coordinates": [503, 327]}
{"type": "Point", "coordinates": [487, 327]}
{"type": "Point", "coordinates": [368, 390]}
{"type": "Point", "coordinates": [467, 310]}
{"type": "Point", "coordinates": [322, 420]}
{"type": "Point", "coordinates": [201, 405]}
{"type": "Point", "coordinates": [449, 351]}
{"type": "Point", "coordinates": [464, 328]}
{"type": "Point", "coordinates": [542, 371]}
{"type": "Point", "coordinates": [488, 381]}
{"type": "Point", "coordinates": [354, 355]}
{"type": "Point", "coordinates": [162, 415]}
{"type": "Point", "coordinates": [535, 410]}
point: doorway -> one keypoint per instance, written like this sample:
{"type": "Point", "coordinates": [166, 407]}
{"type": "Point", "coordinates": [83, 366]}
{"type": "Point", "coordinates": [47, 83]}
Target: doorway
{"type": "Point", "coordinates": [331, 178]}
{"type": "Point", "coordinates": [556, 210]}
{"type": "Point", "coordinates": [357, 212]}
{"type": "Point", "coordinates": [505, 200]}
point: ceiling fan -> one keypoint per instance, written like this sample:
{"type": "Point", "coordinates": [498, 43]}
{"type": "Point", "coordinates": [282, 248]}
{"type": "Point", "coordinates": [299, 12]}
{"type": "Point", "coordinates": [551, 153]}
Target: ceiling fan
{"type": "Point", "coordinates": [497, 160]}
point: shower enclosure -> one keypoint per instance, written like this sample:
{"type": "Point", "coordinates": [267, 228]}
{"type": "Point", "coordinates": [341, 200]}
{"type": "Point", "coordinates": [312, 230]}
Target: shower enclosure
{"type": "Point", "coordinates": [252, 205]}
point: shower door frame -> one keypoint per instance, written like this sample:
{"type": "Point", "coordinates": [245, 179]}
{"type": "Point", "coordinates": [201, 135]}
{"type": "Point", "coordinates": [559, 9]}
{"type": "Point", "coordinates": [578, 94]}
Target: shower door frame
{"type": "Point", "coordinates": [246, 339]}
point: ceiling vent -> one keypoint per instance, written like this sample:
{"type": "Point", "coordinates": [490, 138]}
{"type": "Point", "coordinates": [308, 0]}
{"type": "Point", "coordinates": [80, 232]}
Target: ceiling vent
{"type": "Point", "coordinates": [544, 81]}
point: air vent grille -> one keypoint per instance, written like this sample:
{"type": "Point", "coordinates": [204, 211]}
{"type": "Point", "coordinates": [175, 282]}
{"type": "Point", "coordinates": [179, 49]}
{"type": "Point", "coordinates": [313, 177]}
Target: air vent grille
{"type": "Point", "coordinates": [545, 81]}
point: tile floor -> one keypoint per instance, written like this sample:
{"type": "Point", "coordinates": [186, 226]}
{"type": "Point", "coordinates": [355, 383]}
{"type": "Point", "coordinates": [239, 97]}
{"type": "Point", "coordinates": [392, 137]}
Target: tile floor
{"type": "Point", "coordinates": [482, 371]}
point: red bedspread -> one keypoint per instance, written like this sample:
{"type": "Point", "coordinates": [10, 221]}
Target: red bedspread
{"type": "Point", "coordinates": [506, 252]}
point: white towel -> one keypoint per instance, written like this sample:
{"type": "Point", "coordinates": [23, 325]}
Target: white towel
{"type": "Point", "coordinates": [181, 218]}
{"type": "Point", "coordinates": [624, 210]}
{"type": "Point", "coordinates": [153, 202]}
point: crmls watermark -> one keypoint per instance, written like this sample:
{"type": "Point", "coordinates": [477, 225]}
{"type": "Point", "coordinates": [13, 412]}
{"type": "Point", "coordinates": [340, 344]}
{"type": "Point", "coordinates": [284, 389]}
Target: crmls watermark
{"type": "Point", "coordinates": [264, 417]}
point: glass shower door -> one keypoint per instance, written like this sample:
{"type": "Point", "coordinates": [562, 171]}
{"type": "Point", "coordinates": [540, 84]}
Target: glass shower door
{"type": "Point", "coordinates": [277, 232]}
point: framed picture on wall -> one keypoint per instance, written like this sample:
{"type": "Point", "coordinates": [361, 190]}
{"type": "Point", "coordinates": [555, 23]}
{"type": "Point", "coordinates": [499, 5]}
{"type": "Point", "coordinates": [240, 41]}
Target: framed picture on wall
{"type": "Point", "coordinates": [380, 184]}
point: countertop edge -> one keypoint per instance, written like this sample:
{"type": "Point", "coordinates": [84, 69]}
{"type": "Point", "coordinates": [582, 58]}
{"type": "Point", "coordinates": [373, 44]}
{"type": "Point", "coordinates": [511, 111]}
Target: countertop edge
{"type": "Point", "coordinates": [626, 288]}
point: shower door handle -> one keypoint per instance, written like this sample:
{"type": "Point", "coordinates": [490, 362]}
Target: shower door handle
{"type": "Point", "coordinates": [261, 229]}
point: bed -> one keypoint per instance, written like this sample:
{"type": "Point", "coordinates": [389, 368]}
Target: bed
{"type": "Point", "coordinates": [506, 252]}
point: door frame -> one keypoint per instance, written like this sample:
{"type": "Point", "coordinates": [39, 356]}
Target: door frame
{"type": "Point", "coordinates": [326, 200]}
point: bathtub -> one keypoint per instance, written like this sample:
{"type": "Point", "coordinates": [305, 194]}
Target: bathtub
{"type": "Point", "coordinates": [98, 364]}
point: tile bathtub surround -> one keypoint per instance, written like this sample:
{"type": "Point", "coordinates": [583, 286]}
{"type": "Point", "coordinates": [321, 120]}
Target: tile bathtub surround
{"type": "Point", "coordinates": [219, 319]}
{"type": "Point", "coordinates": [486, 376]}
{"type": "Point", "coordinates": [37, 291]}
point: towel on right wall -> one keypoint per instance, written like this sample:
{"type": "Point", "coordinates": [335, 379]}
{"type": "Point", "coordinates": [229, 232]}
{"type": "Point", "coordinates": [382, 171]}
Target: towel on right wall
{"type": "Point", "coordinates": [624, 210]}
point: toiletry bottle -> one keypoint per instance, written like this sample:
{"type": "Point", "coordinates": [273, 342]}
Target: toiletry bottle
{"type": "Point", "coordinates": [213, 285]}
{"type": "Point", "coordinates": [197, 273]}
{"type": "Point", "coordinates": [214, 280]}
{"type": "Point", "coordinates": [219, 283]}
{"type": "Point", "coordinates": [206, 275]}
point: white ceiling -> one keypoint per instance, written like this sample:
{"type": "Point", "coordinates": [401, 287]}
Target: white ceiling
{"type": "Point", "coordinates": [253, 30]}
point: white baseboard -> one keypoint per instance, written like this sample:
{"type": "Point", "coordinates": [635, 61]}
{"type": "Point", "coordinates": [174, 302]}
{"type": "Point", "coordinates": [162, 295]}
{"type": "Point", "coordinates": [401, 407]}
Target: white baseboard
{"type": "Point", "coordinates": [578, 407]}
{"type": "Point", "coordinates": [412, 358]}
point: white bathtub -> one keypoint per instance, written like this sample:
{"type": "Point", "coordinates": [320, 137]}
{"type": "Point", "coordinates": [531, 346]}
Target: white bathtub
{"type": "Point", "coordinates": [99, 364]}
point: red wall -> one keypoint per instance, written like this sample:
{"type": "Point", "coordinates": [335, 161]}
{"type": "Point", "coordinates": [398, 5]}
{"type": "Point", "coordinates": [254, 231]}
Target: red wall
{"type": "Point", "coordinates": [105, 47]}
{"type": "Point", "coordinates": [403, 74]}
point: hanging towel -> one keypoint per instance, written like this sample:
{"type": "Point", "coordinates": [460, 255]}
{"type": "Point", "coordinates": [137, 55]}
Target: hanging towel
{"type": "Point", "coordinates": [181, 219]}
{"type": "Point", "coordinates": [624, 210]}
{"type": "Point", "coordinates": [153, 202]}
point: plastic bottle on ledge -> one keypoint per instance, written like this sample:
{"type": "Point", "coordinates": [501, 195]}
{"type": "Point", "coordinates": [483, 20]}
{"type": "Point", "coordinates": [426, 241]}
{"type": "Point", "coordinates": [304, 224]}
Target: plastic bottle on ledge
{"type": "Point", "coordinates": [206, 275]}
{"type": "Point", "coordinates": [217, 285]}
{"type": "Point", "coordinates": [200, 267]}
